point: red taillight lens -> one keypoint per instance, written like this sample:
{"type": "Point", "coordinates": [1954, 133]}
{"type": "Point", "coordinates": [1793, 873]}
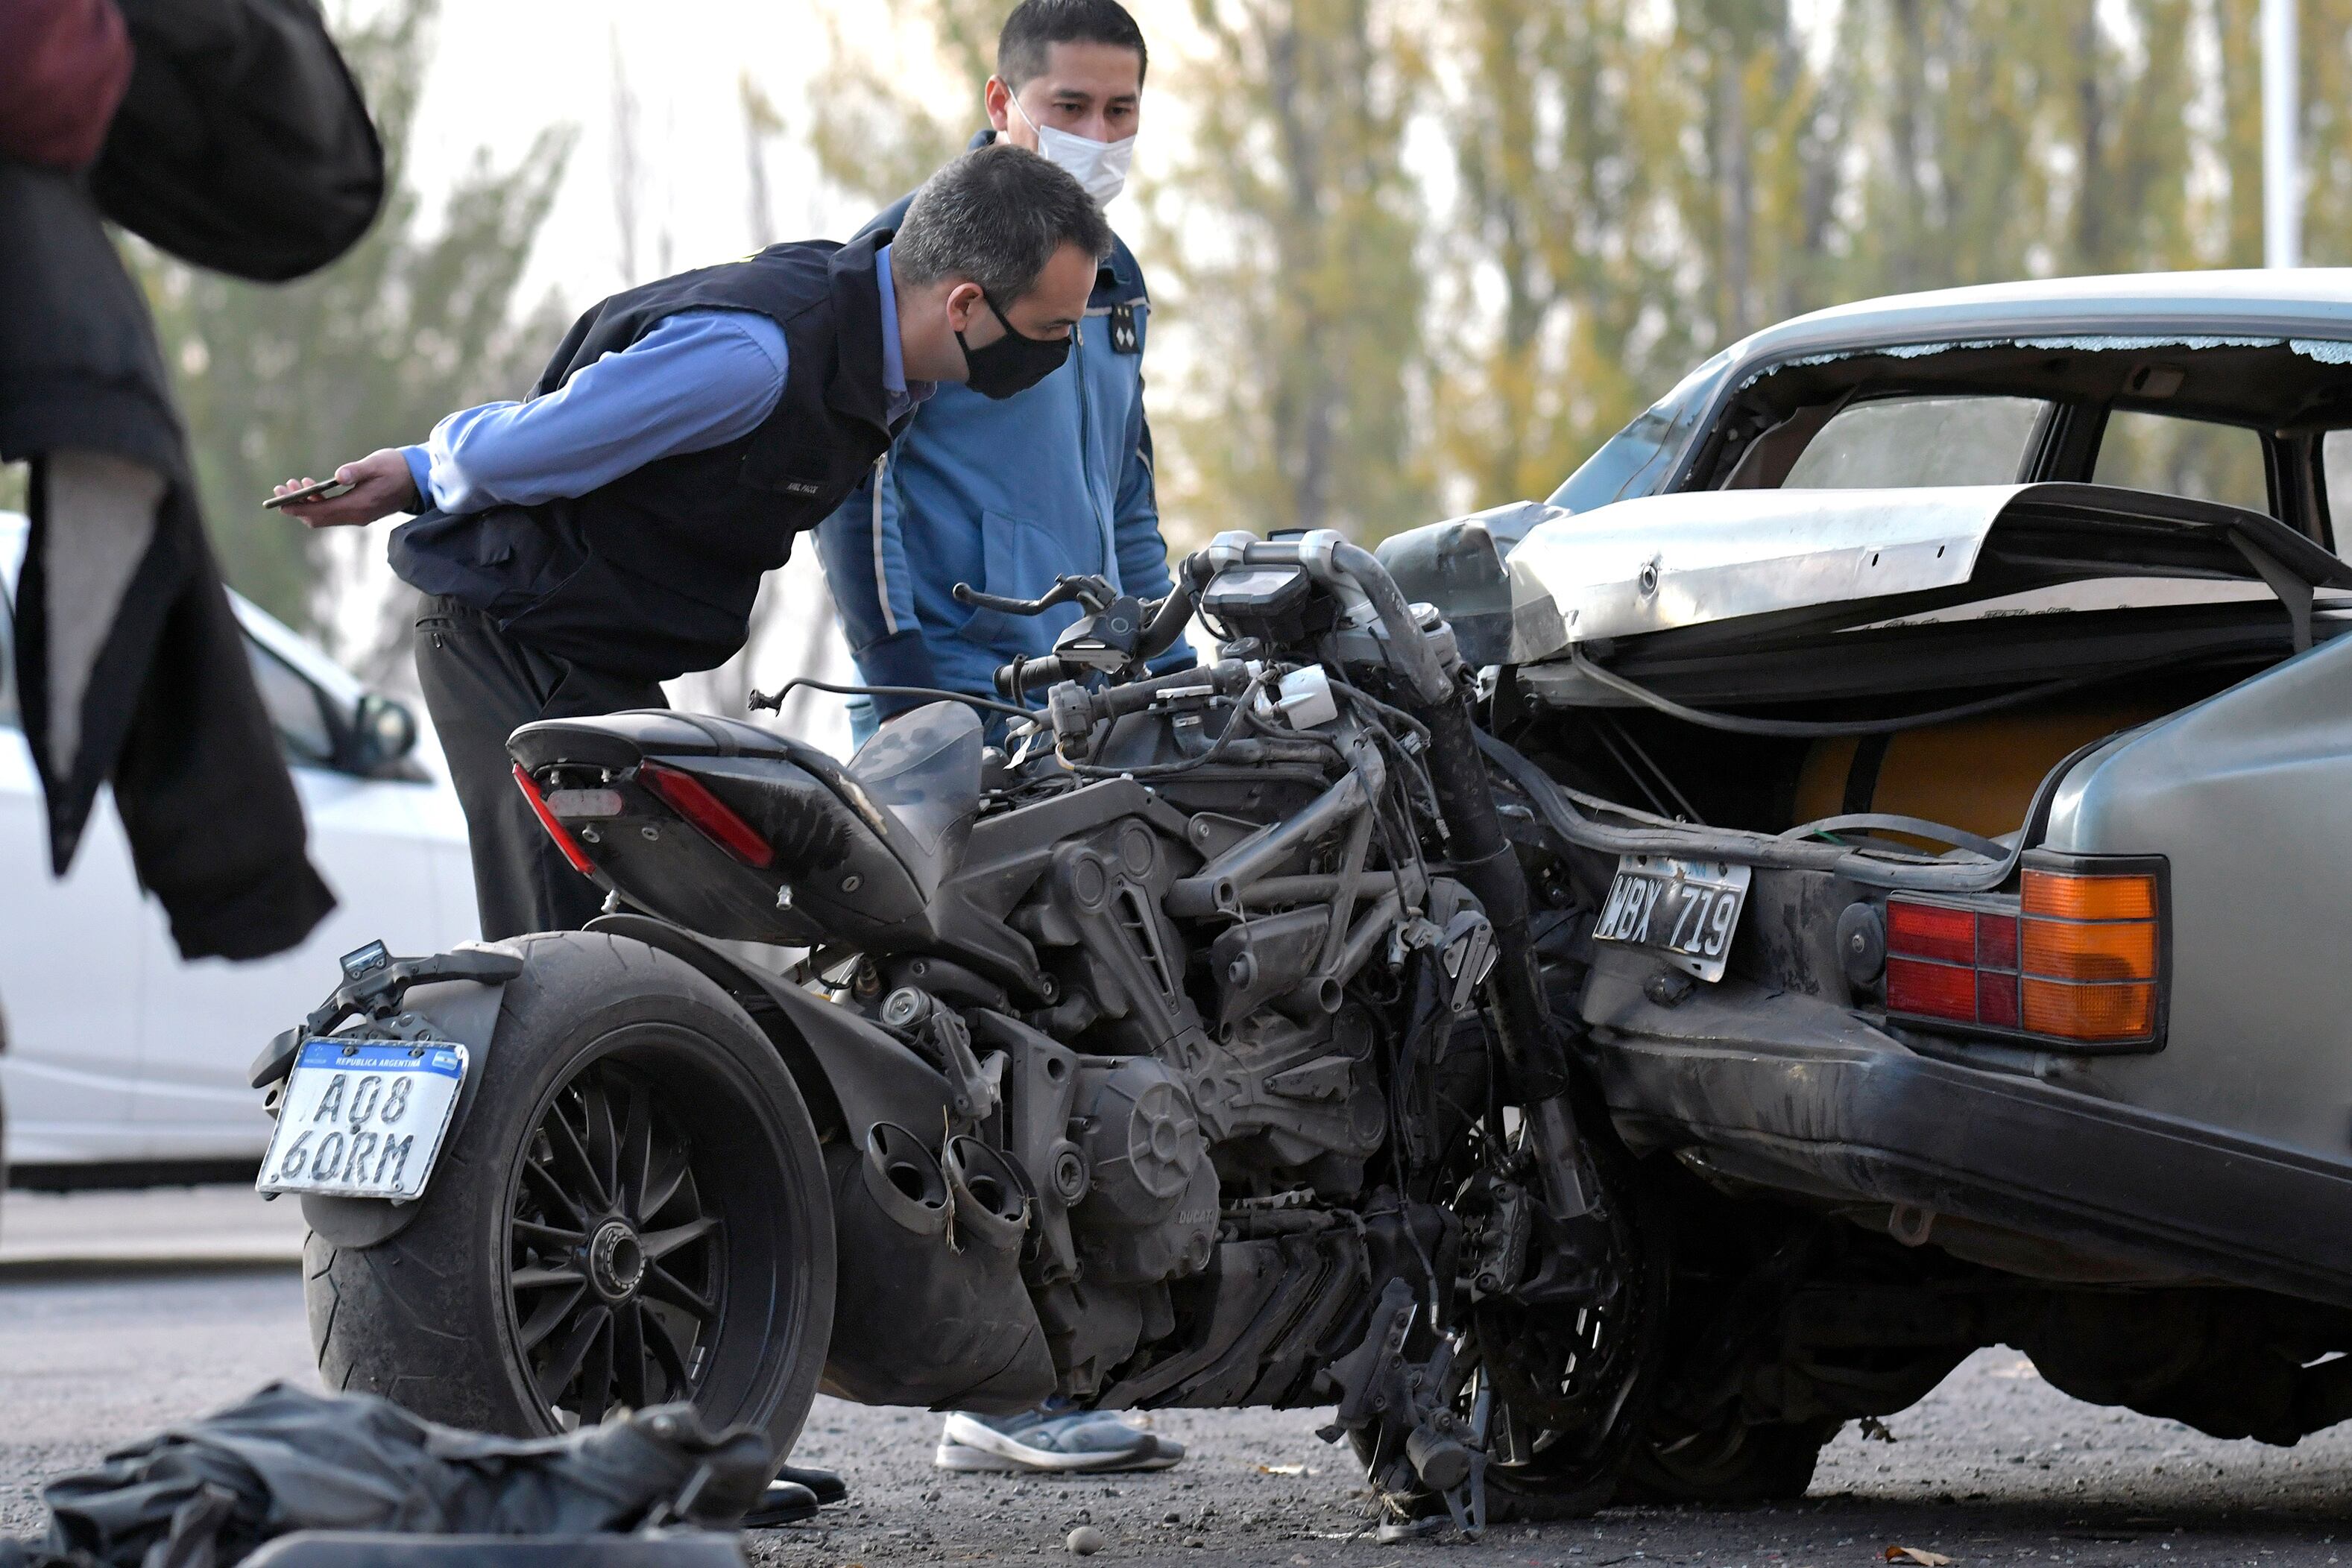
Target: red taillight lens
{"type": "Point", "coordinates": [691, 799]}
{"type": "Point", "coordinates": [555, 830]}
{"type": "Point", "coordinates": [1931, 931]}
{"type": "Point", "coordinates": [1931, 990]}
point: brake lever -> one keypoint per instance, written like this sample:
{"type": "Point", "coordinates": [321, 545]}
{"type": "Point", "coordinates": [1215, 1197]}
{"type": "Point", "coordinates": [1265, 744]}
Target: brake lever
{"type": "Point", "coordinates": [1090, 590]}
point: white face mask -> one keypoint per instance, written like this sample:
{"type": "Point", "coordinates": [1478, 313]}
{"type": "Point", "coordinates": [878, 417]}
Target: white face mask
{"type": "Point", "coordinates": [1100, 167]}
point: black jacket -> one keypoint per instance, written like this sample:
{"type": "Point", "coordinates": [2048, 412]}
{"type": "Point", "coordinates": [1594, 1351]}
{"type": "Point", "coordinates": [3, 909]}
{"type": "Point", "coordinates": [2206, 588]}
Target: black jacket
{"type": "Point", "coordinates": [654, 574]}
{"type": "Point", "coordinates": [242, 144]}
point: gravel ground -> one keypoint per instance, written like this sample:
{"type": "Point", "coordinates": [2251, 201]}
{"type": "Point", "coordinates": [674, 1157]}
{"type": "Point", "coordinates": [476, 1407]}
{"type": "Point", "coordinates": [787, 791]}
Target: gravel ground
{"type": "Point", "coordinates": [1995, 1467]}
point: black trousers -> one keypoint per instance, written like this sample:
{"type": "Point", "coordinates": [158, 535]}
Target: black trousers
{"type": "Point", "coordinates": [481, 685]}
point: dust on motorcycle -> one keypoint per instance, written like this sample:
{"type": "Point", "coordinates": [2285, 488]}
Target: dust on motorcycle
{"type": "Point", "coordinates": [1184, 1041]}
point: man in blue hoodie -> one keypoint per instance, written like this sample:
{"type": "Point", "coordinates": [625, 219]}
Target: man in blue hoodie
{"type": "Point", "coordinates": [1007, 494]}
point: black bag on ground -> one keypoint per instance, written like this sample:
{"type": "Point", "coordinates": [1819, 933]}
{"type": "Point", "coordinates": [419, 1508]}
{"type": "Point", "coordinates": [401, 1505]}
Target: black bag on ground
{"type": "Point", "coordinates": [242, 143]}
{"type": "Point", "coordinates": [283, 1460]}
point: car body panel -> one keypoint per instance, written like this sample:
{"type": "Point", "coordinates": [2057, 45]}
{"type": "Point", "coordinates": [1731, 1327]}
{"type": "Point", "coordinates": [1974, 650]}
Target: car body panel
{"type": "Point", "coordinates": [119, 1051]}
{"type": "Point", "coordinates": [1681, 559]}
{"type": "Point", "coordinates": [2248, 795]}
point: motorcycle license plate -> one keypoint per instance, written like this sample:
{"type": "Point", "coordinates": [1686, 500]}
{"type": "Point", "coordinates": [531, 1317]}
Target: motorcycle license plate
{"type": "Point", "coordinates": [363, 1118]}
{"type": "Point", "coordinates": [1685, 911]}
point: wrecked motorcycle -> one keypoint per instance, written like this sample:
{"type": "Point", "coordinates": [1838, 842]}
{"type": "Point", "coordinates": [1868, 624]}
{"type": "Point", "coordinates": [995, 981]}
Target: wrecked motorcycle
{"type": "Point", "coordinates": [1195, 1052]}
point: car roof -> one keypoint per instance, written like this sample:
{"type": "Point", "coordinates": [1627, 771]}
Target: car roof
{"type": "Point", "coordinates": [2290, 302]}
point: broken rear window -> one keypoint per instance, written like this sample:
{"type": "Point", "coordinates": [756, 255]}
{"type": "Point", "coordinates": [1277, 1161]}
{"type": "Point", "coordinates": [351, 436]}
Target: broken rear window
{"type": "Point", "coordinates": [1903, 442]}
{"type": "Point", "coordinates": [2172, 457]}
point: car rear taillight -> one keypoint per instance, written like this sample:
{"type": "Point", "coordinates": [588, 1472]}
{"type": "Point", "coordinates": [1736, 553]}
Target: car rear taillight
{"type": "Point", "coordinates": [555, 829]}
{"type": "Point", "coordinates": [691, 799]}
{"type": "Point", "coordinates": [2092, 950]}
{"type": "Point", "coordinates": [2076, 958]}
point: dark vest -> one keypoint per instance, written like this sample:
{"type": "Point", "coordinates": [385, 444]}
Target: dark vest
{"type": "Point", "coordinates": [654, 574]}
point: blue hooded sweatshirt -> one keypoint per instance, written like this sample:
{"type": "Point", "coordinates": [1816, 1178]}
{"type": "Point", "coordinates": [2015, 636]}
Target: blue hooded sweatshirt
{"type": "Point", "coordinates": [1004, 496]}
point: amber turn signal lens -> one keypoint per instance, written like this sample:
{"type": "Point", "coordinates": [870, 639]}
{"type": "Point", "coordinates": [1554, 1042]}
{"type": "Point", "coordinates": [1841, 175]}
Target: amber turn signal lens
{"type": "Point", "coordinates": [2090, 1013]}
{"type": "Point", "coordinates": [2067, 896]}
{"type": "Point", "coordinates": [2073, 950]}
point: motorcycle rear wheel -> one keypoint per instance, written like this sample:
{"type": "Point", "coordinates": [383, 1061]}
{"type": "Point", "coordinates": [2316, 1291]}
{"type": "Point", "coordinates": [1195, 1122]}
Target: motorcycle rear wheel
{"type": "Point", "coordinates": [633, 1210]}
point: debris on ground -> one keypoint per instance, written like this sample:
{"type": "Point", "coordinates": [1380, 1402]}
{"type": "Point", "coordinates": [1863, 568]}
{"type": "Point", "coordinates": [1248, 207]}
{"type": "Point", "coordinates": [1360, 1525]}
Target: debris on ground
{"type": "Point", "coordinates": [282, 1460]}
{"type": "Point", "coordinates": [1086, 1541]}
{"type": "Point", "coordinates": [1919, 1555]}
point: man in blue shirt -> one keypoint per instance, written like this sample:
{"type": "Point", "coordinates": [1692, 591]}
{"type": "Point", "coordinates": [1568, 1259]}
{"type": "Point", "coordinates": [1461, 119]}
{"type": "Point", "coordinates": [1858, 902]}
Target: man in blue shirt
{"type": "Point", "coordinates": [608, 533]}
{"type": "Point", "coordinates": [1007, 495]}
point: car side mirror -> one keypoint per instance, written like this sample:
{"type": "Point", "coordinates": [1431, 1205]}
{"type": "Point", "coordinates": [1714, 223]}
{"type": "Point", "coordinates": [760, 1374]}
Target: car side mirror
{"type": "Point", "coordinates": [382, 732]}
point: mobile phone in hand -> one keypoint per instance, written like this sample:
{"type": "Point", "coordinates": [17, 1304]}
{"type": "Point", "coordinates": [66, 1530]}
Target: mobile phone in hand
{"type": "Point", "coordinates": [324, 490]}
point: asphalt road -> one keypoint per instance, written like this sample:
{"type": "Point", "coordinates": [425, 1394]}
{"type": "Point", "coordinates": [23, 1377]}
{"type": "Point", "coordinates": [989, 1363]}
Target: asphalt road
{"type": "Point", "coordinates": [1995, 1467]}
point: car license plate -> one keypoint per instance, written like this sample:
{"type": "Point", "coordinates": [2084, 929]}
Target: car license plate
{"type": "Point", "coordinates": [363, 1118]}
{"type": "Point", "coordinates": [1686, 910]}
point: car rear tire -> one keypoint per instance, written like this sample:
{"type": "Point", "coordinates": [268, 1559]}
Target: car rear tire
{"type": "Point", "coordinates": [1734, 1468]}
{"type": "Point", "coordinates": [632, 1210]}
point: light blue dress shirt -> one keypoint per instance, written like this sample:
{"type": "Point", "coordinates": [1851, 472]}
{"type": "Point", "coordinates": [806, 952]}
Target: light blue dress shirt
{"type": "Point", "coordinates": [697, 380]}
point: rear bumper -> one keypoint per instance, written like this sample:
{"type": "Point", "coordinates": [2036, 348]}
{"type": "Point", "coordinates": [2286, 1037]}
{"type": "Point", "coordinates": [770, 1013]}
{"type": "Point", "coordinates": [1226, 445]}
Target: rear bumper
{"type": "Point", "coordinates": [1794, 1093]}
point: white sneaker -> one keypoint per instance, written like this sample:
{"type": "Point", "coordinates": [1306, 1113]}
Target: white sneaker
{"type": "Point", "coordinates": [1082, 1441]}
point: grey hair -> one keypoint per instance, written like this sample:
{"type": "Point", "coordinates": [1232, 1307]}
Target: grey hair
{"type": "Point", "coordinates": [995, 216]}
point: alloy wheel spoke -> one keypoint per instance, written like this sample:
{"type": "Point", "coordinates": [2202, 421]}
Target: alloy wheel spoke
{"type": "Point", "coordinates": [548, 1239]}
{"type": "Point", "coordinates": [666, 1351]}
{"type": "Point", "coordinates": [636, 1151]}
{"type": "Point", "coordinates": [603, 1137]}
{"type": "Point", "coordinates": [549, 1315]}
{"type": "Point", "coordinates": [542, 1276]}
{"type": "Point", "coordinates": [664, 1286]}
{"type": "Point", "coordinates": [660, 1244]}
{"type": "Point", "coordinates": [629, 1355]}
{"type": "Point", "coordinates": [564, 1361]}
{"type": "Point", "coordinates": [572, 1162]}
{"type": "Point", "coordinates": [596, 1374]}
{"type": "Point", "coordinates": [664, 1173]}
{"type": "Point", "coordinates": [550, 1191]}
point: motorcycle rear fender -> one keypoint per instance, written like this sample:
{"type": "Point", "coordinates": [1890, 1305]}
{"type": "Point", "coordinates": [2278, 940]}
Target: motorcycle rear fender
{"type": "Point", "coordinates": [465, 1011]}
{"type": "Point", "coordinates": [851, 1073]}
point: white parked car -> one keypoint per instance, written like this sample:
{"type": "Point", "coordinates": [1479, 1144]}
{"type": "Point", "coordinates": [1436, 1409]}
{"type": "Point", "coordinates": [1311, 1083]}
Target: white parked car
{"type": "Point", "coordinates": [117, 1053]}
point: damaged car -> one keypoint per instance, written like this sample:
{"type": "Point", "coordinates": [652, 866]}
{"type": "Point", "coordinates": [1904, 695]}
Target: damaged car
{"type": "Point", "coordinates": [1930, 731]}
{"type": "Point", "coordinates": [1595, 995]}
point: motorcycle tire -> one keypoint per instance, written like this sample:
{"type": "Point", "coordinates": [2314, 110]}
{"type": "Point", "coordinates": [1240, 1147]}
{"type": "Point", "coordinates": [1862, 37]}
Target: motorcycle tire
{"type": "Point", "coordinates": [1575, 1475]}
{"type": "Point", "coordinates": [633, 1209]}
{"type": "Point", "coordinates": [1735, 1468]}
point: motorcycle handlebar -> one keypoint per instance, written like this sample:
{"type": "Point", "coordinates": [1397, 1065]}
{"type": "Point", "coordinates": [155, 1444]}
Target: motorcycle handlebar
{"type": "Point", "coordinates": [1022, 676]}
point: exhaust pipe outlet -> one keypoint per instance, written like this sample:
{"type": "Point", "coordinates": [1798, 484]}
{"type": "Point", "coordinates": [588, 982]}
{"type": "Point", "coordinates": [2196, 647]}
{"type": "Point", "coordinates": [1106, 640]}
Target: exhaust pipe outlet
{"type": "Point", "coordinates": [906, 1185]}
{"type": "Point", "coordinates": [991, 1206]}
{"type": "Point", "coordinates": [929, 1304]}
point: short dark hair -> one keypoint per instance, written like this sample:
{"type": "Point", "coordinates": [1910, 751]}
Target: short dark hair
{"type": "Point", "coordinates": [996, 215]}
{"type": "Point", "coordinates": [1036, 24]}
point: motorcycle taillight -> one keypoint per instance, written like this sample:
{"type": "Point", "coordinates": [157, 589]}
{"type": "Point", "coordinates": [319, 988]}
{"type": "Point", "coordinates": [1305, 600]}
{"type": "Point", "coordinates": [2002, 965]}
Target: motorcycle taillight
{"type": "Point", "coordinates": [713, 817]}
{"type": "Point", "coordinates": [555, 828]}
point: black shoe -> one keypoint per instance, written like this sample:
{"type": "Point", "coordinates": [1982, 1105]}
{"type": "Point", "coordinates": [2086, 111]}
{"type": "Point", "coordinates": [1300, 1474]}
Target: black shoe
{"type": "Point", "coordinates": [785, 1502]}
{"type": "Point", "coordinates": [826, 1484]}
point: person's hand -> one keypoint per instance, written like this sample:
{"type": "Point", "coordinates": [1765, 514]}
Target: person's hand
{"type": "Point", "coordinates": [381, 484]}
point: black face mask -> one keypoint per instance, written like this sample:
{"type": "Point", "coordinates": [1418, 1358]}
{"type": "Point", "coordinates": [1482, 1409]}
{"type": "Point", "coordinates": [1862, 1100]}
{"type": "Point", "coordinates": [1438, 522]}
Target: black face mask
{"type": "Point", "coordinates": [1012, 363]}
